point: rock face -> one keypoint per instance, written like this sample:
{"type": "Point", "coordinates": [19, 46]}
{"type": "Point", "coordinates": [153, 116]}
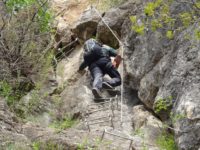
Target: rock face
{"type": "Point", "coordinates": [63, 36]}
{"type": "Point", "coordinates": [186, 72]}
{"type": "Point", "coordinates": [86, 27]}
{"type": "Point", "coordinates": [10, 135]}
{"type": "Point", "coordinates": [156, 67]}
{"type": "Point", "coordinates": [114, 18]}
{"type": "Point", "coordinates": [146, 126]}
{"type": "Point", "coordinates": [65, 40]}
{"type": "Point", "coordinates": [159, 68]}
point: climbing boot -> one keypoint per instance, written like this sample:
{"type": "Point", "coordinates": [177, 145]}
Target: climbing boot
{"type": "Point", "coordinates": [107, 86]}
{"type": "Point", "coordinates": [114, 92]}
{"type": "Point", "coordinates": [96, 92]}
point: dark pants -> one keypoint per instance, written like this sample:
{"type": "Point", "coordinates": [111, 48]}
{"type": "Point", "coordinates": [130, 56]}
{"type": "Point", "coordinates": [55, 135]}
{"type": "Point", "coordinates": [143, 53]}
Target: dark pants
{"type": "Point", "coordinates": [101, 67]}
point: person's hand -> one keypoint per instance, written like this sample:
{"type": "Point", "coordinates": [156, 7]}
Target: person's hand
{"type": "Point", "coordinates": [82, 72]}
{"type": "Point", "coordinates": [117, 61]}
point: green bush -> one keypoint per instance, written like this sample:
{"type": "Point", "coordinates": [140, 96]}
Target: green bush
{"type": "Point", "coordinates": [163, 104]}
{"type": "Point", "coordinates": [166, 142]}
{"type": "Point", "coordinates": [157, 15]}
{"type": "Point", "coordinates": [65, 123]}
{"type": "Point", "coordinates": [11, 95]}
{"type": "Point", "coordinates": [25, 46]}
{"type": "Point", "coordinates": [47, 146]}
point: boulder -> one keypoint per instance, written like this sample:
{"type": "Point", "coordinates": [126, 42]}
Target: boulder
{"type": "Point", "coordinates": [146, 126]}
{"type": "Point", "coordinates": [63, 36]}
{"type": "Point", "coordinates": [188, 126]}
{"type": "Point", "coordinates": [86, 26]}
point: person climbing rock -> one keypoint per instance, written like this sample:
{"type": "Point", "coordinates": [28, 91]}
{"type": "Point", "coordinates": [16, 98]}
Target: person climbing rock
{"type": "Point", "coordinates": [98, 58]}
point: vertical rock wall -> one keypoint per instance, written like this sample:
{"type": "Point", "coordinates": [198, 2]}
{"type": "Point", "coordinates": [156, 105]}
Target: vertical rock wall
{"type": "Point", "coordinates": [158, 68]}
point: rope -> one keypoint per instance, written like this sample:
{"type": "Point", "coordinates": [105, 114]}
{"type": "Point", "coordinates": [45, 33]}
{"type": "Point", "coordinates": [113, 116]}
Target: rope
{"type": "Point", "coordinates": [122, 54]}
{"type": "Point", "coordinates": [107, 25]}
{"type": "Point", "coordinates": [122, 85]}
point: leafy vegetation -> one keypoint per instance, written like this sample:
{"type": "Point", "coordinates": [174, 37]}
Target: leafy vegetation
{"type": "Point", "coordinates": [140, 133]}
{"type": "Point", "coordinates": [163, 104]}
{"type": "Point", "coordinates": [65, 123]}
{"type": "Point", "coordinates": [6, 91]}
{"type": "Point", "coordinates": [166, 141]}
{"type": "Point", "coordinates": [25, 46]}
{"type": "Point", "coordinates": [174, 117]}
{"type": "Point", "coordinates": [47, 146]}
{"type": "Point", "coordinates": [98, 144]}
{"type": "Point", "coordinates": [83, 145]}
{"type": "Point", "coordinates": [158, 14]}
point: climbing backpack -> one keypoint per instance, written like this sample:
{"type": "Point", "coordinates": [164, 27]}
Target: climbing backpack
{"type": "Point", "coordinates": [92, 51]}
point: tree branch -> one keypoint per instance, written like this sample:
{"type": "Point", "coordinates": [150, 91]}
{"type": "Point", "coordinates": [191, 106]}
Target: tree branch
{"type": "Point", "coordinates": [26, 30]}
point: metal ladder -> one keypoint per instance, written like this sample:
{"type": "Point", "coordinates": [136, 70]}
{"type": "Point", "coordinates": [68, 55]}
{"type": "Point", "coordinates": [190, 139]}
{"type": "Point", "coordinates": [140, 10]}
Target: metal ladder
{"type": "Point", "coordinates": [101, 107]}
{"type": "Point", "coordinates": [127, 137]}
{"type": "Point", "coordinates": [109, 118]}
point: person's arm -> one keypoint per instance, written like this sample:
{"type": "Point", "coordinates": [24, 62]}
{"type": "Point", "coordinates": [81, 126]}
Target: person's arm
{"type": "Point", "coordinates": [83, 66]}
{"type": "Point", "coordinates": [112, 52]}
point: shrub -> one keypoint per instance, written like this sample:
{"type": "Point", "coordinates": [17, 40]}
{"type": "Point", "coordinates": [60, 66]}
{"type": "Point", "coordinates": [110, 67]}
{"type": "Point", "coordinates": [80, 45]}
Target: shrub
{"type": "Point", "coordinates": [9, 93]}
{"type": "Point", "coordinates": [25, 45]}
{"type": "Point", "coordinates": [65, 123]}
{"type": "Point", "coordinates": [49, 145]}
{"type": "Point", "coordinates": [166, 142]}
{"type": "Point", "coordinates": [158, 14]}
{"type": "Point", "coordinates": [163, 104]}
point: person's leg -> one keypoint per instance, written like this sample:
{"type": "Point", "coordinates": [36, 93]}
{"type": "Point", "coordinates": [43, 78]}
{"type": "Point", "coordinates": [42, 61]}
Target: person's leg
{"type": "Point", "coordinates": [114, 74]}
{"type": "Point", "coordinates": [97, 76]}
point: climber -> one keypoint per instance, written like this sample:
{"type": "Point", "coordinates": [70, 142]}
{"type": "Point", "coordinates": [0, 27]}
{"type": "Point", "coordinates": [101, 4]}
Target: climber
{"type": "Point", "coordinates": [97, 58]}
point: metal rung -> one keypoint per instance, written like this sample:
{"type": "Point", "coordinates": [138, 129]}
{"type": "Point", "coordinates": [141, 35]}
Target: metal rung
{"type": "Point", "coordinates": [111, 99]}
{"type": "Point", "coordinates": [105, 98]}
{"type": "Point", "coordinates": [99, 103]}
{"type": "Point", "coordinates": [96, 110]}
{"type": "Point", "coordinates": [98, 118]}
{"type": "Point", "coordinates": [117, 136]}
{"type": "Point", "coordinates": [110, 120]}
{"type": "Point", "coordinates": [98, 122]}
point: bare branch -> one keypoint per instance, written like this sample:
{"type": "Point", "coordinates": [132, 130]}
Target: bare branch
{"type": "Point", "coordinates": [26, 30]}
